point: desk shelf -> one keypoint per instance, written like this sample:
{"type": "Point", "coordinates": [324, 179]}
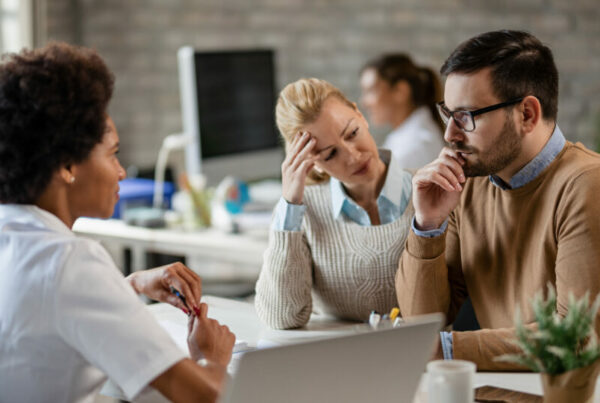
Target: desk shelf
{"type": "Point", "coordinates": [213, 254]}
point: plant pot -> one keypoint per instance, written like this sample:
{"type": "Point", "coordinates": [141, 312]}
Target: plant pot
{"type": "Point", "coordinates": [574, 386]}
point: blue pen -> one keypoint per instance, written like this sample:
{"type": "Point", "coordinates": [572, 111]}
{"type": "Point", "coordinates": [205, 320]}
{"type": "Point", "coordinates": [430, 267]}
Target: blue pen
{"type": "Point", "coordinates": [180, 296]}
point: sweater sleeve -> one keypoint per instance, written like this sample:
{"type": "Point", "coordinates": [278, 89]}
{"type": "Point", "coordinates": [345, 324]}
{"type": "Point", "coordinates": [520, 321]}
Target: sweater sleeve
{"type": "Point", "coordinates": [429, 278]}
{"type": "Point", "coordinates": [283, 290]}
{"type": "Point", "coordinates": [483, 346]}
{"type": "Point", "coordinates": [578, 235]}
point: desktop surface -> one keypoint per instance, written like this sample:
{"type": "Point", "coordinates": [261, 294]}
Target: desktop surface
{"type": "Point", "coordinates": [242, 319]}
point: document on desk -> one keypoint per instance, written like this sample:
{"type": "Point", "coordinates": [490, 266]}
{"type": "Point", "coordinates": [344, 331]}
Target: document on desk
{"type": "Point", "coordinates": [318, 328]}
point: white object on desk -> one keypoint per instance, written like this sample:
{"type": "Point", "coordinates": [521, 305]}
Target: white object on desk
{"type": "Point", "coordinates": [450, 381]}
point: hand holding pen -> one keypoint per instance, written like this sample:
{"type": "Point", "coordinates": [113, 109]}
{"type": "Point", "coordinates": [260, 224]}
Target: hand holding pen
{"type": "Point", "coordinates": [158, 284]}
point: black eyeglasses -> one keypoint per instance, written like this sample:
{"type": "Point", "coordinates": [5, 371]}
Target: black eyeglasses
{"type": "Point", "coordinates": [465, 120]}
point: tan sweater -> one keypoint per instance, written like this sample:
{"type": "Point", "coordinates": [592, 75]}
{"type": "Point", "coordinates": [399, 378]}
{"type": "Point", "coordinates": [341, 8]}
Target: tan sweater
{"type": "Point", "coordinates": [349, 267]}
{"type": "Point", "coordinates": [502, 246]}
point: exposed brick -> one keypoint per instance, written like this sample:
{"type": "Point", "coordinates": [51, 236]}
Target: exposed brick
{"type": "Point", "coordinates": [330, 39]}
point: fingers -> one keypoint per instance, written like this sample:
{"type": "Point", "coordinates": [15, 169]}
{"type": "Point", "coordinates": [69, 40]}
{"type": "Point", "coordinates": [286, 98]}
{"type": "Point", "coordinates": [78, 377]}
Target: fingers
{"type": "Point", "coordinates": [203, 311]}
{"type": "Point", "coordinates": [193, 281]}
{"type": "Point", "coordinates": [184, 289]}
{"type": "Point", "coordinates": [446, 172]}
{"type": "Point", "coordinates": [186, 282]}
{"type": "Point", "coordinates": [209, 339]}
{"type": "Point", "coordinates": [453, 154]}
{"type": "Point", "coordinates": [443, 182]}
{"type": "Point", "coordinates": [305, 167]}
{"type": "Point", "coordinates": [298, 162]}
{"type": "Point", "coordinates": [304, 155]}
{"type": "Point", "coordinates": [454, 161]}
{"type": "Point", "coordinates": [176, 302]}
{"type": "Point", "coordinates": [299, 142]}
{"type": "Point", "coordinates": [437, 175]}
{"type": "Point", "coordinates": [302, 147]}
{"type": "Point", "coordinates": [190, 324]}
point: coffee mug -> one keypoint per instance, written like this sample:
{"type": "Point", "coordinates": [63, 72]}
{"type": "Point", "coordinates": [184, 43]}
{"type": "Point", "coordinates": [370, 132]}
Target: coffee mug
{"type": "Point", "coordinates": [450, 381]}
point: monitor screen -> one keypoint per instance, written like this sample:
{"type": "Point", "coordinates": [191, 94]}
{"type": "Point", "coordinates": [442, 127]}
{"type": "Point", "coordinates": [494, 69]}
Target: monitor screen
{"type": "Point", "coordinates": [236, 100]}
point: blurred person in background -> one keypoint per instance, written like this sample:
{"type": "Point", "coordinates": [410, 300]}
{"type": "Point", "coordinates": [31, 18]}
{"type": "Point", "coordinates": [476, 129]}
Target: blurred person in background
{"type": "Point", "coordinates": [402, 95]}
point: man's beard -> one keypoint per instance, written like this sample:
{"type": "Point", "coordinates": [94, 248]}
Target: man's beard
{"type": "Point", "coordinates": [503, 151]}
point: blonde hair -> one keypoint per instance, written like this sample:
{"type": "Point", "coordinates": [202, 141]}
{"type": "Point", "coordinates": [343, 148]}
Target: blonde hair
{"type": "Point", "coordinates": [299, 104]}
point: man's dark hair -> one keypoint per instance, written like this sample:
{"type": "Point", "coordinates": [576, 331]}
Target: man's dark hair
{"type": "Point", "coordinates": [53, 104]}
{"type": "Point", "coordinates": [521, 65]}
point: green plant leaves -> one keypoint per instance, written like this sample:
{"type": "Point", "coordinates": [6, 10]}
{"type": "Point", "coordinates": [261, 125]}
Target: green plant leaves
{"type": "Point", "coordinates": [558, 344]}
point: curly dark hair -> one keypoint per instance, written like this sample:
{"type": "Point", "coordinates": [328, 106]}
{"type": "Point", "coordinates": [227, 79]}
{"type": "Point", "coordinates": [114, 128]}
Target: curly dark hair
{"type": "Point", "coordinates": [53, 105]}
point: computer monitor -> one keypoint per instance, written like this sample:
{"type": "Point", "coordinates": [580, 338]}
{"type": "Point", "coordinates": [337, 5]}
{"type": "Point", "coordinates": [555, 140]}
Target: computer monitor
{"type": "Point", "coordinates": [227, 102]}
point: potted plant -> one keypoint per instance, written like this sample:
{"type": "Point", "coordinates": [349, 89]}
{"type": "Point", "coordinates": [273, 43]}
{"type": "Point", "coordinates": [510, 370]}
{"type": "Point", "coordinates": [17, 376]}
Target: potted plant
{"type": "Point", "coordinates": [563, 349]}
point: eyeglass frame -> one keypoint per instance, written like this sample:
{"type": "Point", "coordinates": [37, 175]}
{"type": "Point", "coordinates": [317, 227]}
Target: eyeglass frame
{"type": "Point", "coordinates": [441, 107]}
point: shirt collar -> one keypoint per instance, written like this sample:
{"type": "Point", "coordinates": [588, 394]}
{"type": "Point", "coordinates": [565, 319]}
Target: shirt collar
{"type": "Point", "coordinates": [32, 215]}
{"type": "Point", "coordinates": [535, 167]}
{"type": "Point", "coordinates": [392, 188]}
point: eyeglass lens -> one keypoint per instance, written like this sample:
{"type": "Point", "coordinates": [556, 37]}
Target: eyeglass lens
{"type": "Point", "coordinates": [463, 119]}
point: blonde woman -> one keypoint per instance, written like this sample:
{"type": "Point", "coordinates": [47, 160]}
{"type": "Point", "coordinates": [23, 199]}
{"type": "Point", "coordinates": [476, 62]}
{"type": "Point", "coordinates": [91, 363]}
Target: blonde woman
{"type": "Point", "coordinates": [342, 236]}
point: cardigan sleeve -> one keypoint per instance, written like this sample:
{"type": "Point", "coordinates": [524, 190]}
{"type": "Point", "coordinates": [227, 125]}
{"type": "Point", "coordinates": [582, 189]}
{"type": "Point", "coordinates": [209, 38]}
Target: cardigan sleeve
{"type": "Point", "coordinates": [283, 290]}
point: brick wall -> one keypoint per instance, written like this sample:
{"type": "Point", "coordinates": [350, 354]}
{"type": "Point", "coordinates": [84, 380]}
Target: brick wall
{"type": "Point", "coordinates": [329, 39]}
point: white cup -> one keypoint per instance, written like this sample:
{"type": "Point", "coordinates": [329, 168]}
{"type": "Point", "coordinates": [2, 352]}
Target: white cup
{"type": "Point", "coordinates": [450, 381]}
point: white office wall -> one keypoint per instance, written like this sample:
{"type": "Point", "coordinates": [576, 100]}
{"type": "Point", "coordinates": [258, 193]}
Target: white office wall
{"type": "Point", "coordinates": [16, 25]}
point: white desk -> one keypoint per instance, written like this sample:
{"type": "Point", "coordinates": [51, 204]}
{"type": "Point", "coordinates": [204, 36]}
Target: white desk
{"type": "Point", "coordinates": [213, 254]}
{"type": "Point", "coordinates": [243, 321]}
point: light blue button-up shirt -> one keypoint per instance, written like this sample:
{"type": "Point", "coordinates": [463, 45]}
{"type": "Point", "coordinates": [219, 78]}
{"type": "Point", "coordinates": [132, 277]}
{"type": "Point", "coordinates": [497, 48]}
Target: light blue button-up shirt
{"type": "Point", "coordinates": [528, 173]}
{"type": "Point", "coordinates": [391, 202]}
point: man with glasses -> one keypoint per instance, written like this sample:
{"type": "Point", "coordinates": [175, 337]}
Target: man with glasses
{"type": "Point", "coordinates": [508, 206]}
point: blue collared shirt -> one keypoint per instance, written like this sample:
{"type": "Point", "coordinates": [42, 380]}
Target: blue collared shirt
{"type": "Point", "coordinates": [528, 173]}
{"type": "Point", "coordinates": [391, 202]}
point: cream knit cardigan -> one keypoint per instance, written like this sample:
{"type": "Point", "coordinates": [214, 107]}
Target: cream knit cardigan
{"type": "Point", "coordinates": [349, 269]}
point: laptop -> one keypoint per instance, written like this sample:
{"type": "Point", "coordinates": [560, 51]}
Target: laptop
{"type": "Point", "coordinates": [369, 366]}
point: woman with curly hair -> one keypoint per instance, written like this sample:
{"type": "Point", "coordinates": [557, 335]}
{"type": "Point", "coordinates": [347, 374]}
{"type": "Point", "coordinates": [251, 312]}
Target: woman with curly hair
{"type": "Point", "coordinates": [68, 318]}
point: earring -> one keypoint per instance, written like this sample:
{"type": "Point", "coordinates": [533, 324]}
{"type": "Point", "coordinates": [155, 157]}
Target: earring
{"type": "Point", "coordinates": [72, 180]}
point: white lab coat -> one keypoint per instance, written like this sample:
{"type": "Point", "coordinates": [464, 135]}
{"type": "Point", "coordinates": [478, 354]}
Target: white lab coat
{"type": "Point", "coordinates": [417, 141]}
{"type": "Point", "coordinates": [68, 318]}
